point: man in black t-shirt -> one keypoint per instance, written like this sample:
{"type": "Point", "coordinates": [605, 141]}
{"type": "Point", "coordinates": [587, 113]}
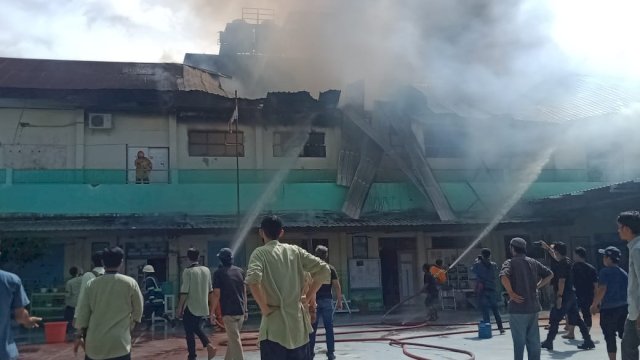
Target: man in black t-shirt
{"type": "Point", "coordinates": [585, 281]}
{"type": "Point", "coordinates": [324, 301]}
{"type": "Point", "coordinates": [230, 292]}
{"type": "Point", "coordinates": [565, 299]}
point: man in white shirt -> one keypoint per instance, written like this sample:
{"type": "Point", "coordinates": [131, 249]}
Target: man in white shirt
{"type": "Point", "coordinates": [111, 307]}
{"type": "Point", "coordinates": [629, 231]}
{"type": "Point", "coordinates": [196, 302]}
{"type": "Point", "coordinates": [98, 270]}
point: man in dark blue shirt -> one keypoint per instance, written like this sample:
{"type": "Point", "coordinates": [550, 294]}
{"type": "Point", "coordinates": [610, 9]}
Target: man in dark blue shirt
{"type": "Point", "coordinates": [230, 293]}
{"type": "Point", "coordinates": [566, 302]}
{"type": "Point", "coordinates": [486, 272]}
{"type": "Point", "coordinates": [611, 298]}
{"type": "Point", "coordinates": [13, 300]}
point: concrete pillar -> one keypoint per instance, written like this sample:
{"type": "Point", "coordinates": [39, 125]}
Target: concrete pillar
{"type": "Point", "coordinates": [173, 149]}
{"type": "Point", "coordinates": [260, 150]}
{"type": "Point", "coordinates": [79, 121]}
{"type": "Point", "coordinates": [421, 258]}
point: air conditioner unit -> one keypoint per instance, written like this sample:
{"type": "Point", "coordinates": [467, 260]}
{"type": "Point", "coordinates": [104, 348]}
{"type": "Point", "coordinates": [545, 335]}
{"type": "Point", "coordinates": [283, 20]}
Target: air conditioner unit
{"type": "Point", "coordinates": [100, 121]}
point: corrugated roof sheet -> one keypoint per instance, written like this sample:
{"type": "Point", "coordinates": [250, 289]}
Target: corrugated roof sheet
{"type": "Point", "coordinates": [577, 97]}
{"type": "Point", "coordinates": [625, 186]}
{"type": "Point", "coordinates": [99, 75]}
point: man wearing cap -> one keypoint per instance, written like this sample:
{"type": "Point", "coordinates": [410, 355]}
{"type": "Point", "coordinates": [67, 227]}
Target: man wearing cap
{"type": "Point", "coordinates": [230, 293]}
{"type": "Point", "coordinates": [629, 231]}
{"type": "Point", "coordinates": [611, 298]}
{"type": "Point", "coordinates": [486, 272]}
{"type": "Point", "coordinates": [521, 277]}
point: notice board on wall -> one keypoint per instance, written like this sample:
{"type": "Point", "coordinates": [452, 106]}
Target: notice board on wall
{"type": "Point", "coordinates": [364, 273]}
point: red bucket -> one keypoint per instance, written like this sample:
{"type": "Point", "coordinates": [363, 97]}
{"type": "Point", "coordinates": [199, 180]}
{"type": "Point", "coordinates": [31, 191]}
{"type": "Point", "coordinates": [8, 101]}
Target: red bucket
{"type": "Point", "coordinates": [55, 332]}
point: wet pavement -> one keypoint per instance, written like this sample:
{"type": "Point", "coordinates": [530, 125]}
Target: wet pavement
{"type": "Point", "coordinates": [353, 341]}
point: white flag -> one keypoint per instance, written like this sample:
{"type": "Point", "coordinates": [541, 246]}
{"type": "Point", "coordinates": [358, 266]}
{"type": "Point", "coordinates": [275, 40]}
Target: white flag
{"type": "Point", "coordinates": [234, 116]}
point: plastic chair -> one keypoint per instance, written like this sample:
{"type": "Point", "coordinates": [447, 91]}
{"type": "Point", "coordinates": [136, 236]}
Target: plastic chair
{"type": "Point", "coordinates": [448, 299]}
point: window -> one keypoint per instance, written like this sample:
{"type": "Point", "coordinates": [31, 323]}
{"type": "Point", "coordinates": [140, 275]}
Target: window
{"type": "Point", "coordinates": [215, 143]}
{"type": "Point", "coordinates": [360, 245]}
{"type": "Point", "coordinates": [314, 147]}
{"type": "Point", "coordinates": [445, 141]}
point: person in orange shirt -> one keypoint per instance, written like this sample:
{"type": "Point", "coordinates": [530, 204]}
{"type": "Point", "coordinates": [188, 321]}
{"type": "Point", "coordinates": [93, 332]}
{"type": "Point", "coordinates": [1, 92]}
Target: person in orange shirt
{"type": "Point", "coordinates": [439, 272]}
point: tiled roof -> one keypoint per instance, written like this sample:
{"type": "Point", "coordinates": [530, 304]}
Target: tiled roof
{"type": "Point", "coordinates": [316, 220]}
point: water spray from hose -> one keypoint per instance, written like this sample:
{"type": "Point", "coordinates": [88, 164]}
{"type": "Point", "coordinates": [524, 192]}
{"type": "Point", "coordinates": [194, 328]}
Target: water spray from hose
{"type": "Point", "coordinates": [294, 146]}
{"type": "Point", "coordinates": [528, 177]}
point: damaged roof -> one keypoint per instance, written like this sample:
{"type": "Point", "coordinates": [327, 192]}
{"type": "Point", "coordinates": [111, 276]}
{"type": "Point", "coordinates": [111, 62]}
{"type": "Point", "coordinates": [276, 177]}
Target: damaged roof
{"type": "Point", "coordinates": [46, 74]}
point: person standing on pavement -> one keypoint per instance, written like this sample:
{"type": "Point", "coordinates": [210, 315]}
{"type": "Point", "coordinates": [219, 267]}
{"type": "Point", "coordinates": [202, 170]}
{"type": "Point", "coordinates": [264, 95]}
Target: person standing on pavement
{"type": "Point", "coordinates": [431, 289]}
{"type": "Point", "coordinates": [521, 277]}
{"type": "Point", "coordinates": [276, 277]}
{"type": "Point", "coordinates": [629, 231]}
{"type": "Point", "coordinates": [486, 272]}
{"type": "Point", "coordinates": [98, 270]}
{"type": "Point", "coordinates": [611, 298]}
{"type": "Point", "coordinates": [565, 302]}
{"type": "Point", "coordinates": [13, 301]}
{"type": "Point", "coordinates": [324, 301]}
{"type": "Point", "coordinates": [196, 302]}
{"type": "Point", "coordinates": [585, 281]}
{"type": "Point", "coordinates": [230, 293]}
{"type": "Point", "coordinates": [111, 307]}
{"type": "Point", "coordinates": [72, 289]}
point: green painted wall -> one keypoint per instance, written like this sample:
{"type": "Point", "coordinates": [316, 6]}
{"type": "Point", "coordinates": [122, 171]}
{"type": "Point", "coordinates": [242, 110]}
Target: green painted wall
{"type": "Point", "coordinates": [214, 192]}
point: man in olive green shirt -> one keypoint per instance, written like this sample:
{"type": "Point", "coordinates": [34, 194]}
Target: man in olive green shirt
{"type": "Point", "coordinates": [276, 276]}
{"type": "Point", "coordinates": [111, 307]}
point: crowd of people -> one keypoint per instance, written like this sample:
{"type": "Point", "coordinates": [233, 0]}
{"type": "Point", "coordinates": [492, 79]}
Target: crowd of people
{"type": "Point", "coordinates": [577, 289]}
{"type": "Point", "coordinates": [295, 289]}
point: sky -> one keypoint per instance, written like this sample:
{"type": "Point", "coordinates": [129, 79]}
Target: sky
{"type": "Point", "coordinates": [480, 51]}
{"type": "Point", "coordinates": [597, 34]}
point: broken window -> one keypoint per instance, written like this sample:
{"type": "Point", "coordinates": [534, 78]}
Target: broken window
{"type": "Point", "coordinates": [314, 147]}
{"type": "Point", "coordinates": [216, 143]}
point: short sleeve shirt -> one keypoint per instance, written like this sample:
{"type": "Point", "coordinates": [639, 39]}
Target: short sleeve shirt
{"type": "Point", "coordinates": [524, 273]}
{"type": "Point", "coordinates": [584, 276]}
{"type": "Point", "coordinates": [325, 290]}
{"type": "Point", "coordinates": [196, 285]}
{"type": "Point", "coordinates": [230, 281]}
{"type": "Point", "coordinates": [563, 271]}
{"type": "Point", "coordinates": [615, 279]}
{"type": "Point", "coordinates": [12, 296]}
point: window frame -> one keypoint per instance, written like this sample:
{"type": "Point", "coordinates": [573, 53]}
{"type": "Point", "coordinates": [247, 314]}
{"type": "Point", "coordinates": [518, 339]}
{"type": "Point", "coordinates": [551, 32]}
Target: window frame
{"type": "Point", "coordinates": [278, 149]}
{"type": "Point", "coordinates": [229, 145]}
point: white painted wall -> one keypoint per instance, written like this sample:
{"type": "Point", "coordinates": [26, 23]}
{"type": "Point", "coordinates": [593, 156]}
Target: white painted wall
{"type": "Point", "coordinates": [106, 149]}
{"type": "Point", "coordinates": [48, 143]}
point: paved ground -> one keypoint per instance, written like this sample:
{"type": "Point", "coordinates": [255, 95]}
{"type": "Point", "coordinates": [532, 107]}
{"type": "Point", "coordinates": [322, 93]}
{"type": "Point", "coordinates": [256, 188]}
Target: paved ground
{"type": "Point", "coordinates": [352, 346]}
